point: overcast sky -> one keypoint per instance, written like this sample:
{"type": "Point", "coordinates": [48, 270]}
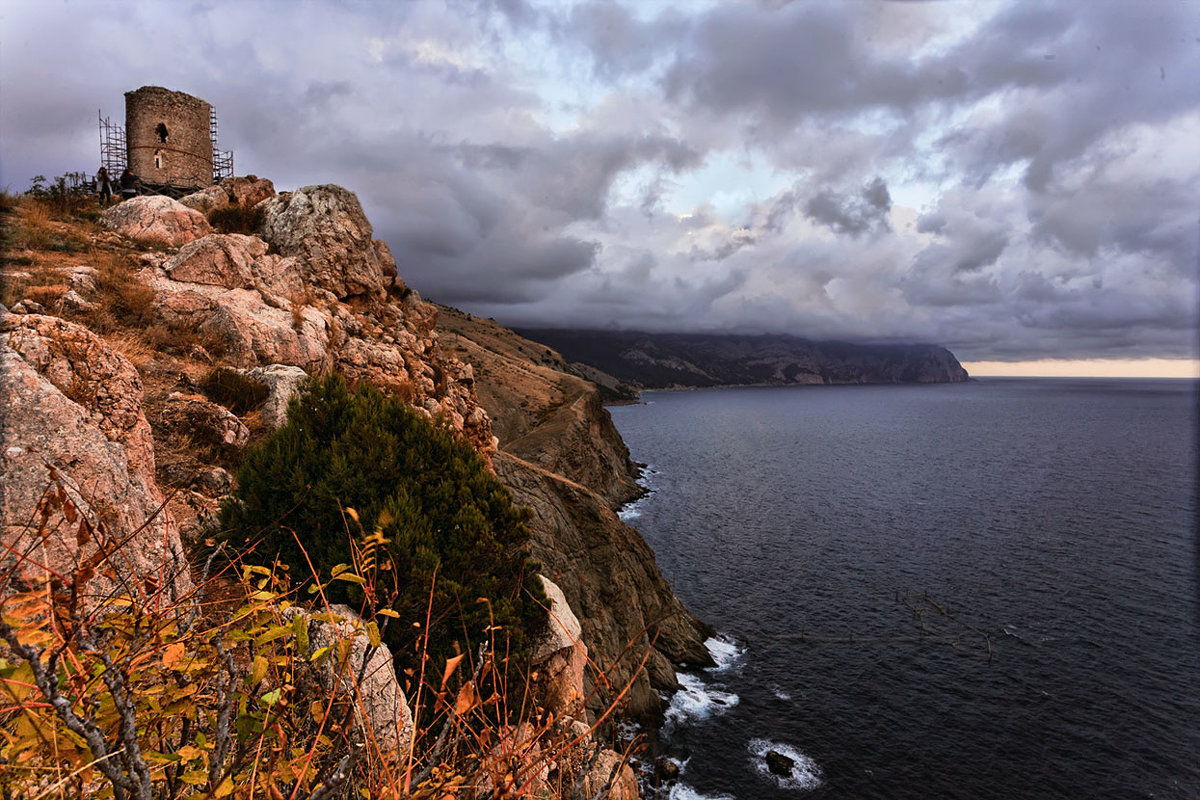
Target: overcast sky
{"type": "Point", "coordinates": [1013, 180]}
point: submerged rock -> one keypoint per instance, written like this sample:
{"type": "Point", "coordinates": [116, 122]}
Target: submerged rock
{"type": "Point", "coordinates": [779, 764]}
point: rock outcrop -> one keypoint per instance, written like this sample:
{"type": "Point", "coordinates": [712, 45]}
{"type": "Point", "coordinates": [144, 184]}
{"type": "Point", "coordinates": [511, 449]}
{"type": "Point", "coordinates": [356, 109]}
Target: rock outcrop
{"type": "Point", "coordinates": [157, 220]}
{"type": "Point", "coordinates": [256, 308]}
{"type": "Point", "coordinates": [610, 777]}
{"type": "Point", "coordinates": [562, 457]}
{"type": "Point", "coordinates": [380, 706]}
{"type": "Point", "coordinates": [72, 418]}
{"type": "Point", "coordinates": [326, 229]}
{"type": "Point", "coordinates": [282, 382]}
{"type": "Point", "coordinates": [540, 412]}
{"type": "Point", "coordinates": [560, 658]}
{"type": "Point", "coordinates": [246, 192]}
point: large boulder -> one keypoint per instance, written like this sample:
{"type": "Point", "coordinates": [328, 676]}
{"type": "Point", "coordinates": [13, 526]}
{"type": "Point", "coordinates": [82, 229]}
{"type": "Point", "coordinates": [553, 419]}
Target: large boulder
{"type": "Point", "coordinates": [326, 229]}
{"type": "Point", "coordinates": [156, 220]}
{"type": "Point", "coordinates": [247, 191]}
{"type": "Point", "coordinates": [244, 327]}
{"type": "Point", "coordinates": [283, 382]}
{"type": "Point", "coordinates": [235, 261]}
{"type": "Point", "coordinates": [380, 706]}
{"type": "Point", "coordinates": [560, 657]}
{"type": "Point", "coordinates": [198, 418]}
{"type": "Point", "coordinates": [72, 422]}
{"type": "Point", "coordinates": [207, 199]}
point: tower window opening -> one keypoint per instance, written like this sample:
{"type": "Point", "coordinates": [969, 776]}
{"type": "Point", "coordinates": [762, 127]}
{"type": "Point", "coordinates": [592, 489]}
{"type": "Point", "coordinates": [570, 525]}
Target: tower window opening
{"type": "Point", "coordinates": [158, 159]}
{"type": "Point", "coordinates": [161, 130]}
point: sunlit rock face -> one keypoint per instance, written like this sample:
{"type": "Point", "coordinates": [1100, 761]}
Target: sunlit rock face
{"type": "Point", "coordinates": [156, 219]}
{"type": "Point", "coordinates": [326, 229]}
{"type": "Point", "coordinates": [72, 420]}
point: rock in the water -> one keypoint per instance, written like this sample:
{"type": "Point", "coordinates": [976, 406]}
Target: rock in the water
{"type": "Point", "coordinates": [72, 415]}
{"type": "Point", "coordinates": [325, 228]}
{"type": "Point", "coordinates": [282, 382]}
{"type": "Point", "coordinates": [779, 764]}
{"type": "Point", "coordinates": [156, 219]}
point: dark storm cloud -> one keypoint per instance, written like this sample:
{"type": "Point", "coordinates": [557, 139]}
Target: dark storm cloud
{"type": "Point", "coordinates": [851, 214]}
{"type": "Point", "coordinates": [1008, 178]}
{"type": "Point", "coordinates": [574, 174]}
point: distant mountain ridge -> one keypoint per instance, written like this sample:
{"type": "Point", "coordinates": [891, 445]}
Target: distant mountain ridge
{"type": "Point", "coordinates": [677, 360]}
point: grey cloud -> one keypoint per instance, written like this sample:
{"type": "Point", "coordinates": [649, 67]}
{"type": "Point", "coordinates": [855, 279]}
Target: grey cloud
{"type": "Point", "coordinates": [1056, 197]}
{"type": "Point", "coordinates": [574, 174]}
{"type": "Point", "coordinates": [618, 42]}
{"type": "Point", "coordinates": [320, 93]}
{"type": "Point", "coordinates": [850, 214]}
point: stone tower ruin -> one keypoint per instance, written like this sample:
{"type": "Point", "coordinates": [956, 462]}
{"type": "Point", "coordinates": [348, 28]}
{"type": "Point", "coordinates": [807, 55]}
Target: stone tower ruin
{"type": "Point", "coordinates": [167, 137]}
{"type": "Point", "coordinates": [169, 141]}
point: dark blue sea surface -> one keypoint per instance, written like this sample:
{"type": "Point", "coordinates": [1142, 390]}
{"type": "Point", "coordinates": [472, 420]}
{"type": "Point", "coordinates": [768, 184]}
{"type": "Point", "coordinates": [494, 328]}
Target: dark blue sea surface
{"type": "Point", "coordinates": [980, 590]}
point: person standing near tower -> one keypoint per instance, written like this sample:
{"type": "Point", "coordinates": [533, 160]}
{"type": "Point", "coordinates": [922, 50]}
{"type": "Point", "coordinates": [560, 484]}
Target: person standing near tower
{"type": "Point", "coordinates": [104, 186]}
{"type": "Point", "coordinates": [129, 184]}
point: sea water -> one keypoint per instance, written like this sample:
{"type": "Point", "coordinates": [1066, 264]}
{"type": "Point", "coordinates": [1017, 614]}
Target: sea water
{"type": "Point", "coordinates": [981, 590]}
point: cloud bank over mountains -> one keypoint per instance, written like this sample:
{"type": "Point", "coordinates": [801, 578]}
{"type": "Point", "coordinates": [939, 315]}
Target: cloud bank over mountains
{"type": "Point", "coordinates": [1009, 179]}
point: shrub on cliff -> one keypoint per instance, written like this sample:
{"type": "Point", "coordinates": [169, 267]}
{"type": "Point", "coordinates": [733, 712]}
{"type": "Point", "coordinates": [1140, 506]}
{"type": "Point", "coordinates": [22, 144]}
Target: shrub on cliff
{"type": "Point", "coordinates": [449, 526]}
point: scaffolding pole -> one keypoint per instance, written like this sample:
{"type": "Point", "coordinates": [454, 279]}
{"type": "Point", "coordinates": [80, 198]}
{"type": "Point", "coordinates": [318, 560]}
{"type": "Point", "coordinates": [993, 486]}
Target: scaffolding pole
{"type": "Point", "coordinates": [112, 146]}
{"type": "Point", "coordinates": [222, 160]}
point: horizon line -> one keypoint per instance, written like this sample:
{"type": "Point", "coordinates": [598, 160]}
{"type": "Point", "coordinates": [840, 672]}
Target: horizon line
{"type": "Point", "coordinates": [1085, 368]}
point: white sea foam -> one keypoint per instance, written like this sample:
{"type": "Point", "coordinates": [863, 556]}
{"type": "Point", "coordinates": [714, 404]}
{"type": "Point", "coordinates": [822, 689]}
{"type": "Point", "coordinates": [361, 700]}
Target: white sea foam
{"type": "Point", "coordinates": [779, 692]}
{"type": "Point", "coordinates": [725, 651]}
{"type": "Point", "coordinates": [805, 772]}
{"type": "Point", "coordinates": [633, 510]}
{"type": "Point", "coordinates": [695, 701]}
{"type": "Point", "coordinates": [681, 791]}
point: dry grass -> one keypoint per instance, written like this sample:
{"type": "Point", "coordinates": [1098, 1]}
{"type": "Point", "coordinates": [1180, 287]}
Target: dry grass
{"type": "Point", "coordinates": [80, 719]}
{"type": "Point", "coordinates": [122, 299]}
{"type": "Point", "coordinates": [134, 347]}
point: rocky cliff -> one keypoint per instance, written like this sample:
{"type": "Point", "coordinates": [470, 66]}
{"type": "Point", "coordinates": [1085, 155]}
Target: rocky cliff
{"type": "Point", "coordinates": [562, 457]}
{"type": "Point", "coordinates": [668, 360]}
{"type": "Point", "coordinates": [130, 337]}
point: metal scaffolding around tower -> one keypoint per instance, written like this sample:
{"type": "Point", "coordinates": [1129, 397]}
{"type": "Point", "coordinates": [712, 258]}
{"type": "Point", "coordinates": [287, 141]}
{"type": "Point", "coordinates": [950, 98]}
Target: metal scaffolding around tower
{"type": "Point", "coordinates": [222, 160]}
{"type": "Point", "coordinates": [112, 146]}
